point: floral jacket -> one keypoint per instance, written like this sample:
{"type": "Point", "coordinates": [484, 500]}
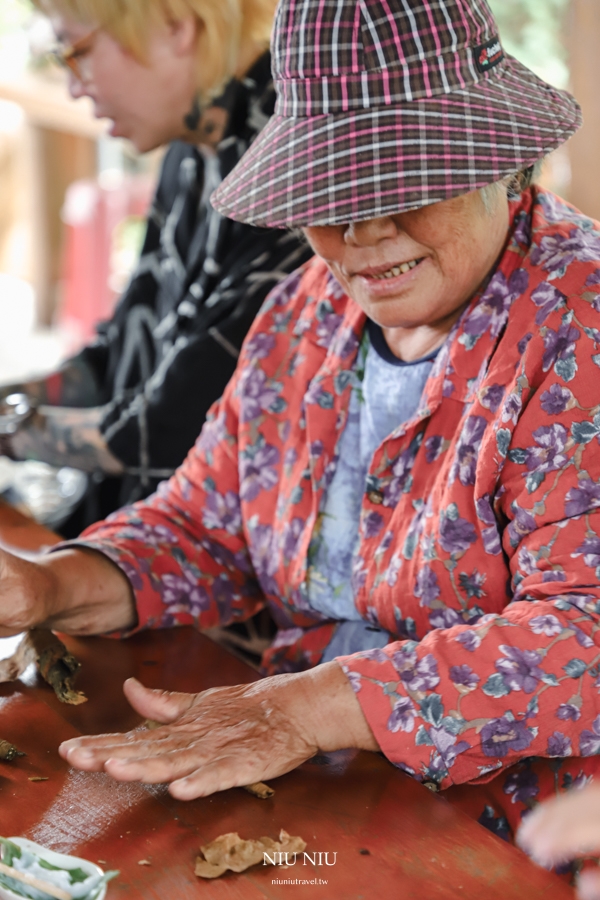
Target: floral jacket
{"type": "Point", "coordinates": [480, 544]}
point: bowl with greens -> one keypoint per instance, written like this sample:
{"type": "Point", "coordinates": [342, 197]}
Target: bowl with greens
{"type": "Point", "coordinates": [28, 870]}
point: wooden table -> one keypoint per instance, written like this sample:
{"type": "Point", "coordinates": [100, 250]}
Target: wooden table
{"type": "Point", "coordinates": [393, 838]}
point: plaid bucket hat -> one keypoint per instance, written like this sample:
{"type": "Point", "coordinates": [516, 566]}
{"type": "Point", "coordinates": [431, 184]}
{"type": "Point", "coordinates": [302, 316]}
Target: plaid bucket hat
{"type": "Point", "coordinates": [388, 105]}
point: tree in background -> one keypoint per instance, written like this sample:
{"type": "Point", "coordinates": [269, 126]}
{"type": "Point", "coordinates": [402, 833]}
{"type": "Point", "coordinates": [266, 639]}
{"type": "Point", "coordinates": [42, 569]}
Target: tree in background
{"type": "Point", "coordinates": [532, 31]}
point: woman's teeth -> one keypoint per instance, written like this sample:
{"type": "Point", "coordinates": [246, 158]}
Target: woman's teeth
{"type": "Point", "coordinates": [397, 270]}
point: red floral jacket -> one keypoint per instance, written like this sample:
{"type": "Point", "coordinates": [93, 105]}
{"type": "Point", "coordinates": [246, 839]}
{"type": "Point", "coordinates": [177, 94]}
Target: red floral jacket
{"type": "Point", "coordinates": [480, 544]}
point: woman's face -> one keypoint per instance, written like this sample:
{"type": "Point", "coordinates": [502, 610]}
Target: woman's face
{"type": "Point", "coordinates": [417, 268]}
{"type": "Point", "coordinates": [146, 101]}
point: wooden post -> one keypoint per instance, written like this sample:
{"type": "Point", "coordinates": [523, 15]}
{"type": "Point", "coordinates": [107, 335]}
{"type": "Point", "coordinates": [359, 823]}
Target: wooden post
{"type": "Point", "coordinates": [583, 34]}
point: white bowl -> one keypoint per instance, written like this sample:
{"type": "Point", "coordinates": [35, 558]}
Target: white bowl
{"type": "Point", "coordinates": [55, 859]}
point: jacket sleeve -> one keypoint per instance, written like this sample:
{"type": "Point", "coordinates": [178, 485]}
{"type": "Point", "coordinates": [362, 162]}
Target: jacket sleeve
{"type": "Point", "coordinates": [183, 550]}
{"type": "Point", "coordinates": [194, 372]}
{"type": "Point", "coordinates": [466, 701]}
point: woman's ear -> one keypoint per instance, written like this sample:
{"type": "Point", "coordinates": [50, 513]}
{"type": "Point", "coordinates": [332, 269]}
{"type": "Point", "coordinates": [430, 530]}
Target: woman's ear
{"type": "Point", "coordinates": [184, 35]}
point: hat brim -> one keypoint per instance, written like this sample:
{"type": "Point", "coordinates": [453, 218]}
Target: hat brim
{"type": "Point", "coordinates": [343, 167]}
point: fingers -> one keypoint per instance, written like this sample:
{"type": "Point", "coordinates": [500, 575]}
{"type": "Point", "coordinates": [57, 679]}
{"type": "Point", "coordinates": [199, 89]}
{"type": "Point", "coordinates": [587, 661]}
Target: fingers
{"type": "Point", "coordinates": [161, 706]}
{"type": "Point", "coordinates": [588, 885]}
{"type": "Point", "coordinates": [563, 828]}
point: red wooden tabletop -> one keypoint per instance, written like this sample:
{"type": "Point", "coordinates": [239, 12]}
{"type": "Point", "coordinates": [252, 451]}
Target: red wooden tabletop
{"type": "Point", "coordinates": [393, 838]}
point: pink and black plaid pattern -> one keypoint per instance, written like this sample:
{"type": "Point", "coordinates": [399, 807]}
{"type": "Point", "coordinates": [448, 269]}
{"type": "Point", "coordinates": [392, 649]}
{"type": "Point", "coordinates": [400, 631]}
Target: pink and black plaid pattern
{"type": "Point", "coordinates": [389, 105]}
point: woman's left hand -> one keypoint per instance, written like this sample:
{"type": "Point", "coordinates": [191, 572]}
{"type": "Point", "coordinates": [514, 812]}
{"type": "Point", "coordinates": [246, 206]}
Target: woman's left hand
{"type": "Point", "coordinates": [228, 737]}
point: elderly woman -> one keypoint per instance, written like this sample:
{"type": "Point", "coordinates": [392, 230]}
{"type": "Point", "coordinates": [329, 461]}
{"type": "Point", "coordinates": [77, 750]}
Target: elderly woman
{"type": "Point", "coordinates": [131, 405]}
{"type": "Point", "coordinates": [405, 467]}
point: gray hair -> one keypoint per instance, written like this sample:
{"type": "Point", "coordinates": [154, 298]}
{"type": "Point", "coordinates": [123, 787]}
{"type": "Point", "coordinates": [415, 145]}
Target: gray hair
{"type": "Point", "coordinates": [511, 185]}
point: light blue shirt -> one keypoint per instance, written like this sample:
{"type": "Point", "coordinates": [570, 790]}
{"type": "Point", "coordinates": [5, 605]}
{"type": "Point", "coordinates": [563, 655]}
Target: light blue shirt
{"type": "Point", "coordinates": [385, 392]}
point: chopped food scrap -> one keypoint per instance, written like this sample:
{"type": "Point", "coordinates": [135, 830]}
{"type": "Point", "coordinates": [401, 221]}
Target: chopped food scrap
{"type": "Point", "coordinates": [8, 752]}
{"type": "Point", "coordinates": [56, 665]}
{"type": "Point", "coordinates": [260, 790]}
{"type": "Point", "coordinates": [231, 852]}
{"type": "Point", "coordinates": [144, 862]}
{"type": "Point", "coordinates": [38, 778]}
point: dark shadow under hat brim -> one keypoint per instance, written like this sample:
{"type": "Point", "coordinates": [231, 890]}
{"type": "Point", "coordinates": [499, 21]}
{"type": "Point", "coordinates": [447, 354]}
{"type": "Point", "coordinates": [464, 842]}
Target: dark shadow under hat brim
{"type": "Point", "coordinates": [343, 167]}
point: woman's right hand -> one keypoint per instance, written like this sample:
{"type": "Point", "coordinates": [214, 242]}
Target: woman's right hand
{"type": "Point", "coordinates": [76, 590]}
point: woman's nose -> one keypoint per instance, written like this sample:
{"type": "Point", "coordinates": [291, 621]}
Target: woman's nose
{"type": "Point", "coordinates": [76, 86]}
{"type": "Point", "coordinates": [366, 234]}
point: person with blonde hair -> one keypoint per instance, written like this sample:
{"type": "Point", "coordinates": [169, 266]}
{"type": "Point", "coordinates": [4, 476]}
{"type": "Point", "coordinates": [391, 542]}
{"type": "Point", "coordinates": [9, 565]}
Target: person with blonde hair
{"type": "Point", "coordinates": [195, 73]}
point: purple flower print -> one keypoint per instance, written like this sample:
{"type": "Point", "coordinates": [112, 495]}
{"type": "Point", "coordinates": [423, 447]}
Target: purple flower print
{"type": "Point", "coordinates": [556, 251]}
{"type": "Point", "coordinates": [523, 785]}
{"type": "Point", "coordinates": [345, 343]}
{"type": "Point", "coordinates": [559, 345]}
{"type": "Point", "coordinates": [401, 469]}
{"type": "Point", "coordinates": [224, 592]}
{"type": "Point", "coordinates": [512, 408]}
{"type": "Point", "coordinates": [559, 745]}
{"type": "Point", "coordinates": [456, 535]}
{"type": "Point", "coordinates": [372, 524]}
{"type": "Point", "coordinates": [522, 525]}
{"type": "Point", "coordinates": [549, 455]}
{"type": "Point", "coordinates": [445, 618]}
{"type": "Point", "coordinates": [464, 676]}
{"type": "Point", "coordinates": [292, 533]}
{"type": "Point", "coordinates": [470, 640]}
{"type": "Point", "coordinates": [547, 625]}
{"type": "Point", "coordinates": [591, 551]}
{"type": "Point", "coordinates": [130, 572]}
{"type": "Point", "coordinates": [490, 312]}
{"type": "Point", "coordinates": [222, 511]}
{"type": "Point", "coordinates": [182, 593]}
{"type": "Point", "coordinates": [501, 735]}
{"type": "Point", "coordinates": [491, 541]}
{"type": "Point", "coordinates": [256, 395]}
{"type": "Point", "coordinates": [445, 744]}
{"type": "Point", "coordinates": [262, 543]}
{"type": "Point", "coordinates": [417, 675]}
{"type": "Point", "coordinates": [354, 678]}
{"type": "Point", "coordinates": [259, 346]}
{"type": "Point", "coordinates": [584, 497]}
{"type": "Point", "coordinates": [594, 279]}
{"type": "Point", "coordinates": [520, 670]}
{"type": "Point", "coordinates": [467, 449]}
{"type": "Point", "coordinates": [548, 298]}
{"type": "Point", "coordinates": [589, 741]}
{"type": "Point", "coordinates": [568, 712]}
{"type": "Point", "coordinates": [472, 584]}
{"type": "Point", "coordinates": [402, 717]}
{"type": "Point", "coordinates": [491, 397]}
{"type": "Point", "coordinates": [327, 328]}
{"type": "Point", "coordinates": [484, 509]}
{"type": "Point", "coordinates": [433, 447]}
{"type": "Point", "coordinates": [554, 575]}
{"type": "Point", "coordinates": [258, 471]}
{"type": "Point", "coordinates": [583, 639]}
{"type": "Point", "coordinates": [427, 587]}
{"type": "Point", "coordinates": [213, 432]}
{"type": "Point", "coordinates": [152, 535]}
{"type": "Point", "coordinates": [554, 401]}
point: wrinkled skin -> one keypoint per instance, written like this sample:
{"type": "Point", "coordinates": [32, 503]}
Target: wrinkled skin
{"type": "Point", "coordinates": [228, 737]}
{"type": "Point", "coordinates": [565, 828]}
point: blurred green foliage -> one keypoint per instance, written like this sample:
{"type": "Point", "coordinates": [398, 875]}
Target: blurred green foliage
{"type": "Point", "coordinates": [531, 30]}
{"type": "Point", "coordinates": [14, 14]}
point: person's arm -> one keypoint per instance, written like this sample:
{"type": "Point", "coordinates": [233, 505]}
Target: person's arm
{"type": "Point", "coordinates": [229, 737]}
{"type": "Point", "coordinates": [73, 384]}
{"type": "Point", "coordinates": [65, 437]}
{"type": "Point", "coordinates": [74, 590]}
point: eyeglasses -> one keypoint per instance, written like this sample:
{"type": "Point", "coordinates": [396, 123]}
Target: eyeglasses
{"type": "Point", "coordinates": [74, 57]}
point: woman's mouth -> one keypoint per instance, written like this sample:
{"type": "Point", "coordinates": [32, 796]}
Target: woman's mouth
{"type": "Point", "coordinates": [394, 271]}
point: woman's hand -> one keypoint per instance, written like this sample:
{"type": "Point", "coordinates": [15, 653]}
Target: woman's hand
{"type": "Point", "coordinates": [564, 828]}
{"type": "Point", "coordinates": [77, 591]}
{"type": "Point", "coordinates": [228, 737]}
